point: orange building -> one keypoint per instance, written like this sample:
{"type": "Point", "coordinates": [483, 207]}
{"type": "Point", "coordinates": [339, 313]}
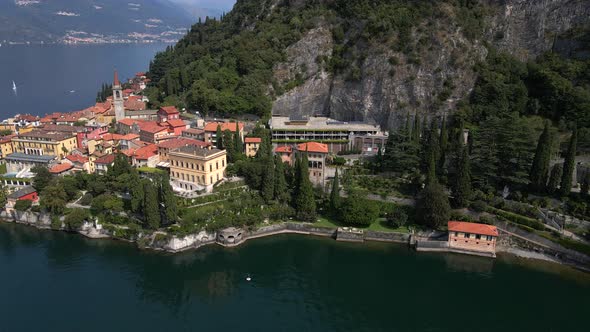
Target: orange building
{"type": "Point", "coordinates": [472, 236]}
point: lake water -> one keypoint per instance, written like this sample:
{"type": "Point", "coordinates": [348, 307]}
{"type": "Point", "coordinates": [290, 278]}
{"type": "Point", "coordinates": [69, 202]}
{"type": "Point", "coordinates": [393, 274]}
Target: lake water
{"type": "Point", "coordinates": [45, 75]}
{"type": "Point", "coordinates": [53, 281]}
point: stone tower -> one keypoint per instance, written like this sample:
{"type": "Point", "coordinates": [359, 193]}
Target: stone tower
{"type": "Point", "coordinates": [118, 101]}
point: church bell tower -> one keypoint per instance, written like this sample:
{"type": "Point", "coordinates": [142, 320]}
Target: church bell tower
{"type": "Point", "coordinates": [118, 101]}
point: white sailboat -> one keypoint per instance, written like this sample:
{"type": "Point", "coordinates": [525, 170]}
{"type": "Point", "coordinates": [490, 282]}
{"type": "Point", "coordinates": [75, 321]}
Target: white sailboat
{"type": "Point", "coordinates": [13, 86]}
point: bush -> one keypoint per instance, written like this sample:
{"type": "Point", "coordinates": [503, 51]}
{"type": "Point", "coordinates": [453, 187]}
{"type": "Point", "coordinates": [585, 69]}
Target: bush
{"type": "Point", "coordinates": [86, 200]}
{"type": "Point", "coordinates": [75, 219]}
{"type": "Point", "coordinates": [479, 206]}
{"type": "Point", "coordinates": [55, 223]}
{"type": "Point", "coordinates": [397, 218]}
{"type": "Point", "coordinates": [23, 205]}
{"type": "Point", "coordinates": [488, 220]}
{"type": "Point", "coordinates": [457, 216]}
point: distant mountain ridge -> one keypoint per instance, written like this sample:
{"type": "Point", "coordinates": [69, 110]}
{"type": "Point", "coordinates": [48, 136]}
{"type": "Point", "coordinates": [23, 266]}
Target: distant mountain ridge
{"type": "Point", "coordinates": [91, 20]}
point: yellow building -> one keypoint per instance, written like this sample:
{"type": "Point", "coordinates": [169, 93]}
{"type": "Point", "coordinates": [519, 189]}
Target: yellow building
{"type": "Point", "coordinates": [252, 144]}
{"type": "Point", "coordinates": [193, 168]}
{"type": "Point", "coordinates": [6, 146]}
{"type": "Point", "coordinates": [43, 143]}
{"type": "Point", "coordinates": [8, 127]}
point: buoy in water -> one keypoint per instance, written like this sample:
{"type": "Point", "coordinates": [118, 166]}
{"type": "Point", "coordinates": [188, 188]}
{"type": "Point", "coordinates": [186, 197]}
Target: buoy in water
{"type": "Point", "coordinates": [248, 279]}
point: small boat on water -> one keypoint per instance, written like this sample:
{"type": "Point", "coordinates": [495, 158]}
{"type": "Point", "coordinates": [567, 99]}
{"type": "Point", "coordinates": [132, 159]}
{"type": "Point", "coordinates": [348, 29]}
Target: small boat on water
{"type": "Point", "coordinates": [13, 86]}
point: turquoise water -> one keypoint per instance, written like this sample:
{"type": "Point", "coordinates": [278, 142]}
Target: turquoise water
{"type": "Point", "coordinates": [53, 281]}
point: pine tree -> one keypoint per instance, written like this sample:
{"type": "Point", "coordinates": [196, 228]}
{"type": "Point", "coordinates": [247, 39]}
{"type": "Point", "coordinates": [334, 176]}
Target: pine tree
{"type": "Point", "coordinates": [540, 168]}
{"type": "Point", "coordinates": [281, 190]}
{"type": "Point", "coordinates": [219, 138]}
{"type": "Point", "coordinates": [569, 165]}
{"type": "Point", "coordinates": [433, 208]}
{"type": "Point", "coordinates": [168, 199]}
{"type": "Point", "coordinates": [554, 178]}
{"type": "Point", "coordinates": [461, 185]}
{"type": "Point", "coordinates": [151, 210]}
{"type": "Point", "coordinates": [305, 201]}
{"type": "Point", "coordinates": [431, 170]}
{"type": "Point", "coordinates": [335, 194]}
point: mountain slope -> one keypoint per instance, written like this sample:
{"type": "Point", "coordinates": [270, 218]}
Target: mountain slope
{"type": "Point", "coordinates": [372, 60]}
{"type": "Point", "coordinates": [50, 20]}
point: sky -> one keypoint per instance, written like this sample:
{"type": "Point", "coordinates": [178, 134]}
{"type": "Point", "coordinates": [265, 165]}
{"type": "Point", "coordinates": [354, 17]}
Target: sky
{"type": "Point", "coordinates": [213, 4]}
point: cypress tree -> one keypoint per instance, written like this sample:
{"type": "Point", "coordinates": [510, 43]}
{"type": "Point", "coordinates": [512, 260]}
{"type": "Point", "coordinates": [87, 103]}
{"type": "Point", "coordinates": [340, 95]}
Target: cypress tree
{"type": "Point", "coordinates": [228, 144]}
{"type": "Point", "coordinates": [268, 180]}
{"type": "Point", "coordinates": [151, 210]}
{"type": "Point", "coordinates": [335, 194]}
{"type": "Point", "coordinates": [584, 190]}
{"type": "Point", "coordinates": [219, 136]}
{"type": "Point", "coordinates": [444, 142]}
{"type": "Point", "coordinates": [305, 202]}
{"type": "Point", "coordinates": [281, 190]}
{"type": "Point", "coordinates": [569, 165]}
{"type": "Point", "coordinates": [433, 208]}
{"type": "Point", "coordinates": [540, 167]}
{"type": "Point", "coordinates": [416, 129]}
{"type": "Point", "coordinates": [167, 197]}
{"type": "Point", "coordinates": [461, 186]}
{"type": "Point", "coordinates": [238, 145]}
{"type": "Point", "coordinates": [136, 189]}
{"type": "Point", "coordinates": [554, 178]}
{"type": "Point", "coordinates": [431, 169]}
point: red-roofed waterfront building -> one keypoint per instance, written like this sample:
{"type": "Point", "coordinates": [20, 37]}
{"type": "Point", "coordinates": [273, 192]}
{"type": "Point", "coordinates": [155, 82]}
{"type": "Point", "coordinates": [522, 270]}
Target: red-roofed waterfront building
{"type": "Point", "coordinates": [472, 236]}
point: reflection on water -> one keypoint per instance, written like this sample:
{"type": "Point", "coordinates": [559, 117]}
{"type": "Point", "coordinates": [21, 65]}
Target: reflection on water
{"type": "Point", "coordinates": [299, 284]}
{"type": "Point", "coordinates": [466, 263]}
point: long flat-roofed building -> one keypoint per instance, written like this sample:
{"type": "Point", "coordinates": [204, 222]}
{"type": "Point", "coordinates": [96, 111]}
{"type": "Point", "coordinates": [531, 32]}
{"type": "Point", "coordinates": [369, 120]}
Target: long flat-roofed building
{"type": "Point", "coordinates": [193, 168]}
{"type": "Point", "coordinates": [336, 134]}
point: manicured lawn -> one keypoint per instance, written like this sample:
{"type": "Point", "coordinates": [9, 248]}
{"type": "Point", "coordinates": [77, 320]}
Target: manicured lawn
{"type": "Point", "coordinates": [150, 170]}
{"type": "Point", "coordinates": [377, 226]}
{"type": "Point", "coordinates": [2, 168]}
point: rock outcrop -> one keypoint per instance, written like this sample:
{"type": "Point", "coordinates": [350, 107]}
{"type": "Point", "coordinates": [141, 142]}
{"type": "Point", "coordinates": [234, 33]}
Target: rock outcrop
{"type": "Point", "coordinates": [389, 84]}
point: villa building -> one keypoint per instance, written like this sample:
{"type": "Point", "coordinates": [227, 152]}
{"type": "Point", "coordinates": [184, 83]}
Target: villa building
{"type": "Point", "coordinates": [316, 155]}
{"type": "Point", "coordinates": [45, 143]}
{"type": "Point", "coordinates": [193, 168]}
{"type": "Point", "coordinates": [472, 237]}
{"type": "Point", "coordinates": [337, 135]}
{"type": "Point", "coordinates": [194, 133]}
{"type": "Point", "coordinates": [210, 135]}
{"type": "Point", "coordinates": [251, 145]}
{"type": "Point", "coordinates": [101, 165]}
{"type": "Point", "coordinates": [6, 145]}
{"type": "Point", "coordinates": [286, 154]}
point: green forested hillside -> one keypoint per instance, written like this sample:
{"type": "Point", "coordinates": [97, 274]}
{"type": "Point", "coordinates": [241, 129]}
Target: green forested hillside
{"type": "Point", "coordinates": [227, 65]}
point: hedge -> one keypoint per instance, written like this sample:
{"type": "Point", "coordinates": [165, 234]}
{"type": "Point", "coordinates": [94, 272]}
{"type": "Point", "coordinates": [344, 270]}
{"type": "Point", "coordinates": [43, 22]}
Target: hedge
{"type": "Point", "coordinates": [516, 218]}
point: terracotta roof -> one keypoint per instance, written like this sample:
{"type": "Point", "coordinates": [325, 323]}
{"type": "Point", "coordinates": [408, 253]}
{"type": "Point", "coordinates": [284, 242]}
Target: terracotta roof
{"type": "Point", "coordinates": [169, 110]}
{"type": "Point", "coordinates": [130, 122]}
{"type": "Point", "coordinates": [313, 147]}
{"type": "Point", "coordinates": [231, 126]}
{"type": "Point", "coordinates": [253, 140]}
{"type": "Point", "coordinates": [60, 168]}
{"type": "Point", "coordinates": [134, 104]}
{"type": "Point", "coordinates": [107, 159]}
{"type": "Point", "coordinates": [146, 152]}
{"type": "Point", "coordinates": [176, 123]}
{"type": "Point", "coordinates": [472, 228]}
{"type": "Point", "coordinates": [152, 127]}
{"type": "Point", "coordinates": [63, 128]}
{"type": "Point", "coordinates": [283, 149]}
{"type": "Point", "coordinates": [75, 158]}
{"type": "Point", "coordinates": [7, 138]}
{"type": "Point", "coordinates": [130, 137]}
{"type": "Point", "coordinates": [175, 143]}
{"type": "Point", "coordinates": [194, 131]}
{"type": "Point", "coordinates": [26, 117]}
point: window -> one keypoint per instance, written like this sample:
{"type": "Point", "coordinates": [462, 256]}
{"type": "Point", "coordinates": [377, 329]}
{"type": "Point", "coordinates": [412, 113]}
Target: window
{"type": "Point", "coordinates": [211, 168]}
{"type": "Point", "coordinates": [456, 234]}
{"type": "Point", "coordinates": [477, 237]}
{"type": "Point", "coordinates": [216, 165]}
{"type": "Point", "coordinates": [466, 235]}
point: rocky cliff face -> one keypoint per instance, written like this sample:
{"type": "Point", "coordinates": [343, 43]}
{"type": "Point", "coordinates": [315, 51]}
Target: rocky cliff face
{"type": "Point", "coordinates": [391, 84]}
